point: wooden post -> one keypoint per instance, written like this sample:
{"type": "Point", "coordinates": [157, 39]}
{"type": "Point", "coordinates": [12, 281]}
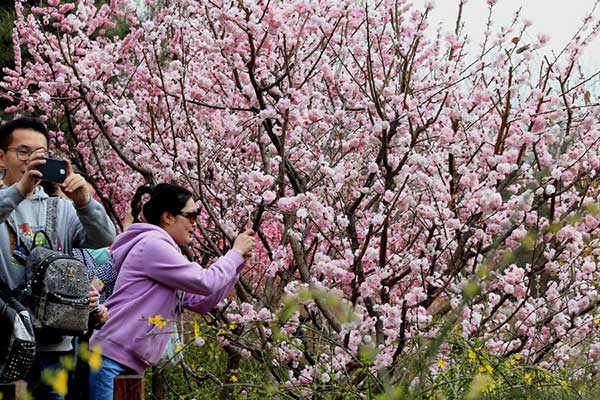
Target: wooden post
{"type": "Point", "coordinates": [129, 387]}
{"type": "Point", "coordinates": [13, 391]}
{"type": "Point", "coordinates": [159, 385]}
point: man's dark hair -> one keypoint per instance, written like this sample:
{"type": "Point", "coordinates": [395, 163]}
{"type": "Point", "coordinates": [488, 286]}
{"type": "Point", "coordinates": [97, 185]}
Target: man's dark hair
{"type": "Point", "coordinates": [7, 129]}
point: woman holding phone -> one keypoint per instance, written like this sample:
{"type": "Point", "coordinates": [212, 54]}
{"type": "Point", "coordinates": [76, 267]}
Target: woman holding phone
{"type": "Point", "coordinates": [152, 270]}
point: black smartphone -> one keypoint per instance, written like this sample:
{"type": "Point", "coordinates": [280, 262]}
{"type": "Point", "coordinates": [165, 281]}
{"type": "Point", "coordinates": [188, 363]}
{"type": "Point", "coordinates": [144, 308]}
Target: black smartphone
{"type": "Point", "coordinates": [54, 170]}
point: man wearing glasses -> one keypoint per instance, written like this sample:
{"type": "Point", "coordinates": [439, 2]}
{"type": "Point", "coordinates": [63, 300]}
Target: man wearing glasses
{"type": "Point", "coordinates": [81, 222]}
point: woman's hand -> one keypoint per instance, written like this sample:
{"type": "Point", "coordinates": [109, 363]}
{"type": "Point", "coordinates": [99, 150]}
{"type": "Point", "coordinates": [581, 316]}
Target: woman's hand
{"type": "Point", "coordinates": [99, 317]}
{"type": "Point", "coordinates": [244, 243]}
{"type": "Point", "coordinates": [93, 297]}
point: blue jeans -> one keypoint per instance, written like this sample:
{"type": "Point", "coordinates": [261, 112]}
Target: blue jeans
{"type": "Point", "coordinates": [102, 382]}
{"type": "Point", "coordinates": [44, 361]}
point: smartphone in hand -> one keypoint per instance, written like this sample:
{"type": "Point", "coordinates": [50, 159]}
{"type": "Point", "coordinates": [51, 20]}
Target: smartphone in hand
{"type": "Point", "coordinates": [54, 170]}
{"type": "Point", "coordinates": [97, 284]}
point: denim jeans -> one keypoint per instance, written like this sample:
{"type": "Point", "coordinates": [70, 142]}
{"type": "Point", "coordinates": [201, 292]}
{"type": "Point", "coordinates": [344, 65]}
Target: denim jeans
{"type": "Point", "coordinates": [102, 382]}
{"type": "Point", "coordinates": [44, 361]}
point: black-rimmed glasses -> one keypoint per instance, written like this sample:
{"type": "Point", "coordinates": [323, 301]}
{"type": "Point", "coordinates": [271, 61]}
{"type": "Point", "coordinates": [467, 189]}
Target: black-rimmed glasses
{"type": "Point", "coordinates": [24, 152]}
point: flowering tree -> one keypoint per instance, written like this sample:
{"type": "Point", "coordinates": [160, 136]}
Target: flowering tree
{"type": "Point", "coordinates": [405, 187]}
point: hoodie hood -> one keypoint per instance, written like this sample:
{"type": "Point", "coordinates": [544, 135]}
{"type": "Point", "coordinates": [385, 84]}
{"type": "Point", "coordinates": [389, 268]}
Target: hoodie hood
{"type": "Point", "coordinates": [38, 194]}
{"type": "Point", "coordinates": [127, 240]}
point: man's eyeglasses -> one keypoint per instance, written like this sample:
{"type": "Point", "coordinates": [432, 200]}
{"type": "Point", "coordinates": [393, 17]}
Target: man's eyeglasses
{"type": "Point", "coordinates": [24, 152]}
{"type": "Point", "coordinates": [191, 215]}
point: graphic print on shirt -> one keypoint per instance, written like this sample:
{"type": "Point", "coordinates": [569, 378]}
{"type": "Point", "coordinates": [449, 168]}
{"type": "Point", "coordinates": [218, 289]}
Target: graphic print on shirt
{"type": "Point", "coordinates": [20, 248]}
{"type": "Point", "coordinates": [28, 234]}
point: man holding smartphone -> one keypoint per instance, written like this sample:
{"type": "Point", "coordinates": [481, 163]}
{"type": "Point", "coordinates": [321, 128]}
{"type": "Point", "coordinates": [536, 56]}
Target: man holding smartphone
{"type": "Point", "coordinates": [81, 222]}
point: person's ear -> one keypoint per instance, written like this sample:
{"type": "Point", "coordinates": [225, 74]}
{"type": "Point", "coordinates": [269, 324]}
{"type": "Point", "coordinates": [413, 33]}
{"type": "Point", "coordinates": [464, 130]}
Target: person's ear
{"type": "Point", "coordinates": [167, 218]}
{"type": "Point", "coordinates": [2, 166]}
{"type": "Point", "coordinates": [2, 159]}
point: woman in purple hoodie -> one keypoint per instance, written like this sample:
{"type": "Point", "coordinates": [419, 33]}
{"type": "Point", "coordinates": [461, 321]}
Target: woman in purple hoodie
{"type": "Point", "coordinates": [151, 270]}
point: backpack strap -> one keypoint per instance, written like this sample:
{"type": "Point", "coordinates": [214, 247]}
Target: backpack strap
{"type": "Point", "coordinates": [51, 222]}
{"type": "Point", "coordinates": [12, 226]}
{"type": "Point", "coordinates": [5, 291]}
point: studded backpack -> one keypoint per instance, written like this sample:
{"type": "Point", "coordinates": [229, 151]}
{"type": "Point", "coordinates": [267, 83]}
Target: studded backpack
{"type": "Point", "coordinates": [56, 291]}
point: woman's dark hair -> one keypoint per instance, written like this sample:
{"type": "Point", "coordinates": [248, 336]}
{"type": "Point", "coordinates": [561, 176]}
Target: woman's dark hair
{"type": "Point", "coordinates": [163, 197]}
{"type": "Point", "coordinates": [137, 203]}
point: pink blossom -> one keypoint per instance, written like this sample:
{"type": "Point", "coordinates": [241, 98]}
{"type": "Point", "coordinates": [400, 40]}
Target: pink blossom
{"type": "Point", "coordinates": [594, 350]}
{"type": "Point", "coordinates": [264, 315]}
{"type": "Point", "coordinates": [543, 39]}
{"type": "Point", "coordinates": [268, 196]}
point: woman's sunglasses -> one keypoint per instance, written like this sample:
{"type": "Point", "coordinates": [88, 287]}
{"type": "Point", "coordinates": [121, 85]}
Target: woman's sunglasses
{"type": "Point", "coordinates": [191, 215]}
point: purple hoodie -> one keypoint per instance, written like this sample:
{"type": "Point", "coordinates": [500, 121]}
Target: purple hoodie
{"type": "Point", "coordinates": [151, 270]}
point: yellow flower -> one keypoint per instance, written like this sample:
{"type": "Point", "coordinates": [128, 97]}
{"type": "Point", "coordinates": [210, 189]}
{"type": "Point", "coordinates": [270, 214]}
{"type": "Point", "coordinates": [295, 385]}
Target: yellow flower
{"type": "Point", "coordinates": [157, 320]}
{"type": "Point", "coordinates": [178, 348]}
{"type": "Point", "coordinates": [68, 362]}
{"type": "Point", "coordinates": [472, 355]}
{"type": "Point", "coordinates": [486, 368]}
{"type": "Point", "coordinates": [60, 383]}
{"type": "Point", "coordinates": [528, 378]}
{"type": "Point", "coordinates": [160, 321]}
{"type": "Point", "coordinates": [220, 332]}
{"type": "Point", "coordinates": [597, 319]}
{"type": "Point", "coordinates": [232, 326]}
{"type": "Point", "coordinates": [441, 363]}
{"type": "Point", "coordinates": [517, 356]}
{"type": "Point", "coordinates": [563, 384]}
{"type": "Point", "coordinates": [95, 361]}
{"type": "Point", "coordinates": [490, 387]}
{"type": "Point", "coordinates": [233, 378]}
{"type": "Point", "coordinates": [481, 383]}
{"type": "Point", "coordinates": [196, 330]}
